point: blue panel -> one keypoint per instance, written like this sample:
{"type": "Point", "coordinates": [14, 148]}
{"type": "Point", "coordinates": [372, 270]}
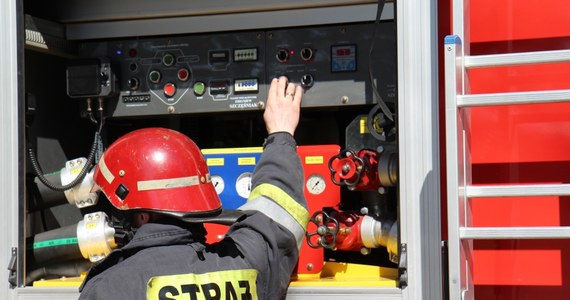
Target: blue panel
{"type": "Point", "coordinates": [230, 171]}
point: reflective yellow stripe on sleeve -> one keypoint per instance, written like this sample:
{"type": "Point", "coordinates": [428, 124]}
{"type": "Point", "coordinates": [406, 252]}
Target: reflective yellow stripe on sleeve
{"type": "Point", "coordinates": [281, 208]}
{"type": "Point", "coordinates": [230, 284]}
{"type": "Point", "coordinates": [276, 194]}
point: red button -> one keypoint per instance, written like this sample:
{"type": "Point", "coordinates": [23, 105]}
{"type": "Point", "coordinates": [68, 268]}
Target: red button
{"type": "Point", "coordinates": [169, 89]}
{"type": "Point", "coordinates": [183, 74]}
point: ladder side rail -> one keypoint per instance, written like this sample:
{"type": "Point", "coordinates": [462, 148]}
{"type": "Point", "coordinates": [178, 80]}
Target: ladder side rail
{"type": "Point", "coordinates": [460, 28]}
{"type": "Point", "coordinates": [458, 250]}
{"type": "Point", "coordinates": [460, 24]}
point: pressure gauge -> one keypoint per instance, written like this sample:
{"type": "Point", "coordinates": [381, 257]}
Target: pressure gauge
{"type": "Point", "coordinates": [243, 184]}
{"type": "Point", "coordinates": [316, 184]}
{"type": "Point", "coordinates": [218, 183]}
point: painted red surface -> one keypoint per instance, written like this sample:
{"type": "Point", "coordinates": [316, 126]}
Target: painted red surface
{"type": "Point", "coordinates": [519, 144]}
{"type": "Point", "coordinates": [315, 161]}
{"type": "Point", "coordinates": [508, 20]}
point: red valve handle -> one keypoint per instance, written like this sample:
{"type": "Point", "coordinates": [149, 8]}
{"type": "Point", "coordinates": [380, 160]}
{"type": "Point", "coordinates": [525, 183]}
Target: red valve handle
{"type": "Point", "coordinates": [346, 165]}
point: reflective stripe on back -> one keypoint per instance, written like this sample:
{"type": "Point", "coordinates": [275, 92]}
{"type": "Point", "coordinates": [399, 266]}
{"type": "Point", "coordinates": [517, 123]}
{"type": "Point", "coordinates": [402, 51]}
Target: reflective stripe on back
{"type": "Point", "coordinates": [220, 285]}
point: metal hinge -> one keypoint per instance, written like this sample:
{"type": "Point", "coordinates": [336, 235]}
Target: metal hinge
{"type": "Point", "coordinates": [403, 266]}
{"type": "Point", "coordinates": [13, 268]}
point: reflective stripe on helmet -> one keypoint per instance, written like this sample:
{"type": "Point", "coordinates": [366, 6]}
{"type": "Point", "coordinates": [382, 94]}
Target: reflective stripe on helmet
{"type": "Point", "coordinates": [105, 170]}
{"type": "Point", "coordinates": [280, 207]}
{"type": "Point", "coordinates": [169, 183]}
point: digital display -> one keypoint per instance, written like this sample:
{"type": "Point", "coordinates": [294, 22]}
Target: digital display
{"type": "Point", "coordinates": [343, 51]}
{"type": "Point", "coordinates": [343, 58]}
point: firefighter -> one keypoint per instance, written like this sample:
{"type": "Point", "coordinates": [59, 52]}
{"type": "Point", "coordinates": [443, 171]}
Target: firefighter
{"type": "Point", "coordinates": [160, 179]}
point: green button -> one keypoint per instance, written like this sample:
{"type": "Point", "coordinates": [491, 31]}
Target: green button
{"type": "Point", "coordinates": [199, 88]}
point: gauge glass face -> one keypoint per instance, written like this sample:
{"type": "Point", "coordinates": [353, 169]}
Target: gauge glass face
{"type": "Point", "coordinates": [316, 184]}
{"type": "Point", "coordinates": [243, 184]}
{"type": "Point", "coordinates": [218, 183]}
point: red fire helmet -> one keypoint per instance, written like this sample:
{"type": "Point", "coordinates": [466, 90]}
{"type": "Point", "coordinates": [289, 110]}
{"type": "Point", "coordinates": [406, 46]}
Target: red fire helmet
{"type": "Point", "coordinates": [158, 170]}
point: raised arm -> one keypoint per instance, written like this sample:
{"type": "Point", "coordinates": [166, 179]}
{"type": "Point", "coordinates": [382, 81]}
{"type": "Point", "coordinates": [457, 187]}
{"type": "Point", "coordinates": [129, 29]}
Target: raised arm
{"type": "Point", "coordinates": [271, 236]}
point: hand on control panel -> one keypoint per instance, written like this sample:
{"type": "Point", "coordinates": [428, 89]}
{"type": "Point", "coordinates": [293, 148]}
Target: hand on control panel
{"type": "Point", "coordinates": [283, 106]}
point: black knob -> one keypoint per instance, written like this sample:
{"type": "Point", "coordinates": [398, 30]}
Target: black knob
{"type": "Point", "coordinates": [306, 54]}
{"type": "Point", "coordinates": [307, 80]}
{"type": "Point", "coordinates": [133, 83]}
{"type": "Point", "coordinates": [282, 55]}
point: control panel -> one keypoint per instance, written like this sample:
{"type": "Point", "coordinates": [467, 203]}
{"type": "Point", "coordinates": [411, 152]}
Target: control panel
{"type": "Point", "coordinates": [223, 72]}
{"type": "Point", "coordinates": [232, 170]}
{"type": "Point", "coordinates": [346, 142]}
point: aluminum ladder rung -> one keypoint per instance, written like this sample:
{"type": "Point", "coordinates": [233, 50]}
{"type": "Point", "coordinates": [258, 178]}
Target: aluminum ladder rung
{"type": "Point", "coordinates": [526, 190]}
{"type": "Point", "coordinates": [494, 233]}
{"type": "Point", "coordinates": [513, 98]}
{"type": "Point", "coordinates": [513, 59]}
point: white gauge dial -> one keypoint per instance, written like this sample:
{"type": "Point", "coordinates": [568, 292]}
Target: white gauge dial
{"type": "Point", "coordinates": [218, 183]}
{"type": "Point", "coordinates": [316, 184]}
{"type": "Point", "coordinates": [243, 184]}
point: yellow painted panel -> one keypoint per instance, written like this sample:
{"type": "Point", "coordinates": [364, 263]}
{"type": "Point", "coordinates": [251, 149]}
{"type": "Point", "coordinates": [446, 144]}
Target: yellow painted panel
{"type": "Point", "coordinates": [345, 274]}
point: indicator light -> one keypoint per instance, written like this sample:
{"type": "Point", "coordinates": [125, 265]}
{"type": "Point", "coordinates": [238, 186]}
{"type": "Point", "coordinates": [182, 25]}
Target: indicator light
{"type": "Point", "coordinates": [169, 89]}
{"type": "Point", "coordinates": [183, 74]}
{"type": "Point", "coordinates": [199, 88]}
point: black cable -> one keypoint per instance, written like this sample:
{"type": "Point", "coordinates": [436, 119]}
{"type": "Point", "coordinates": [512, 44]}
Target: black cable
{"type": "Point", "coordinates": [90, 159]}
{"type": "Point", "coordinates": [381, 102]}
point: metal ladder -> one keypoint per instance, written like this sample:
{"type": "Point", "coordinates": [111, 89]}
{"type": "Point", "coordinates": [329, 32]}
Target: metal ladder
{"type": "Point", "coordinates": [457, 125]}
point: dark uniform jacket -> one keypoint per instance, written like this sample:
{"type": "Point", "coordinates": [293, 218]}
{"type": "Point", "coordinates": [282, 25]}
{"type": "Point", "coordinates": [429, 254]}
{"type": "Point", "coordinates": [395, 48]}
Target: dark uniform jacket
{"type": "Point", "coordinates": [254, 261]}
